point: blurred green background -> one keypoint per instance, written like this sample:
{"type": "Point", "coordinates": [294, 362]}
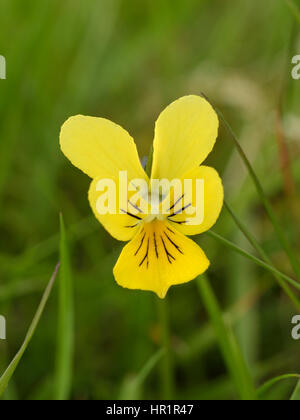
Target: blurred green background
{"type": "Point", "coordinates": [126, 60]}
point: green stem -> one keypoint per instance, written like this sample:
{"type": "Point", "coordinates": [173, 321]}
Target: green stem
{"type": "Point", "coordinates": [262, 253]}
{"type": "Point", "coordinates": [281, 236]}
{"type": "Point", "coordinates": [253, 258]}
{"type": "Point", "coordinates": [65, 331]}
{"type": "Point", "coordinates": [148, 168]}
{"type": "Point", "coordinates": [167, 376]}
{"type": "Point", "coordinates": [229, 347]}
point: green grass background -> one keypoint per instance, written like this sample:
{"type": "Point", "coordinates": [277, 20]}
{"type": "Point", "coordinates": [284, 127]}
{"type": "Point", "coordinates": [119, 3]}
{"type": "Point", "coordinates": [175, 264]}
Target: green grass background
{"type": "Point", "coordinates": [126, 60]}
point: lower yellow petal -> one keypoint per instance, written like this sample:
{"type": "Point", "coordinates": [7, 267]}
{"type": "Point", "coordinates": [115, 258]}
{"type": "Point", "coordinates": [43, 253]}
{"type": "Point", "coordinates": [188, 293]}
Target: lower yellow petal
{"type": "Point", "coordinates": [157, 258]}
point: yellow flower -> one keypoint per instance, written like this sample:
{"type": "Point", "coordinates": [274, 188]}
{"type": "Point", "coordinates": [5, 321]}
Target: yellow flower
{"type": "Point", "coordinates": [159, 254]}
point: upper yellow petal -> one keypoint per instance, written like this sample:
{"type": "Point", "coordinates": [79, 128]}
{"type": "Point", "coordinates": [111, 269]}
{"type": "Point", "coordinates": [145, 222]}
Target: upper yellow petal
{"type": "Point", "coordinates": [185, 134]}
{"type": "Point", "coordinates": [100, 148]}
{"type": "Point", "coordinates": [157, 258]}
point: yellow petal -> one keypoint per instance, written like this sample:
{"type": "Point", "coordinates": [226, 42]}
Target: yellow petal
{"type": "Point", "coordinates": [185, 134]}
{"type": "Point", "coordinates": [157, 258]}
{"type": "Point", "coordinates": [211, 202]}
{"type": "Point", "coordinates": [128, 217]}
{"type": "Point", "coordinates": [100, 148]}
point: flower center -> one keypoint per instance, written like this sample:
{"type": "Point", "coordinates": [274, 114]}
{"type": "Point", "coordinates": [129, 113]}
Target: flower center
{"type": "Point", "coordinates": [152, 217]}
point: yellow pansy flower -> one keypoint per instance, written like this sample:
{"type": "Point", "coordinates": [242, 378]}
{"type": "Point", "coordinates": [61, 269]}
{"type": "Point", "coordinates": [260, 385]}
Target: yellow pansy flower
{"type": "Point", "coordinates": [159, 254]}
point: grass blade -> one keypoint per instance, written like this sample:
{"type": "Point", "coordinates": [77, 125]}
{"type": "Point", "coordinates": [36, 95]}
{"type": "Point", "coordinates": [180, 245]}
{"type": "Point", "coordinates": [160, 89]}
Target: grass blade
{"type": "Point", "coordinates": [251, 257]}
{"type": "Point", "coordinates": [296, 394]}
{"type": "Point", "coordinates": [262, 253]}
{"type": "Point", "coordinates": [131, 390]}
{"type": "Point", "coordinates": [266, 386]}
{"type": "Point", "coordinates": [294, 9]}
{"type": "Point", "coordinates": [5, 378]}
{"type": "Point", "coordinates": [229, 347]}
{"type": "Point", "coordinates": [280, 234]}
{"type": "Point", "coordinates": [65, 338]}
